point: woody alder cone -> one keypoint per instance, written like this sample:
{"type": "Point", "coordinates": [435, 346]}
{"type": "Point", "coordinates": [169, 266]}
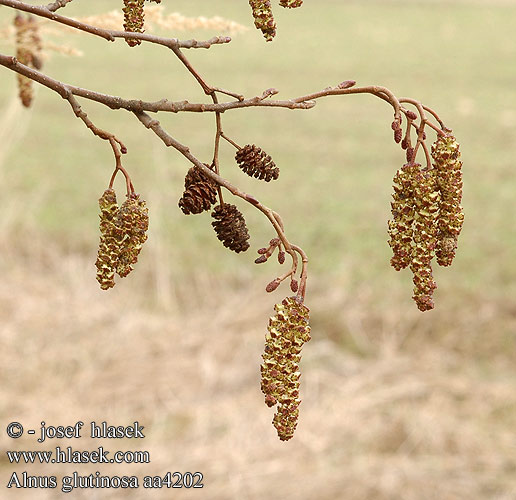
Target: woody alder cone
{"type": "Point", "coordinates": [230, 227]}
{"type": "Point", "coordinates": [446, 156]}
{"type": "Point", "coordinates": [200, 192]}
{"type": "Point", "coordinates": [287, 332]}
{"type": "Point", "coordinates": [256, 163]}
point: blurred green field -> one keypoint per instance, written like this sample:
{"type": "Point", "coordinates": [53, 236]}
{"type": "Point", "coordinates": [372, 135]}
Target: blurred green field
{"type": "Point", "coordinates": [337, 160]}
{"type": "Point", "coordinates": [449, 371]}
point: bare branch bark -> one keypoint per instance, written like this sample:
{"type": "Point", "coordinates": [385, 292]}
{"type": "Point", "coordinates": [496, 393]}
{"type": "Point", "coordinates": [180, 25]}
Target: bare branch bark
{"type": "Point", "coordinates": [111, 35]}
{"type": "Point", "coordinates": [58, 4]}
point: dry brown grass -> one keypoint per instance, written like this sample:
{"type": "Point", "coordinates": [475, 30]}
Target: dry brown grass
{"type": "Point", "coordinates": [383, 416]}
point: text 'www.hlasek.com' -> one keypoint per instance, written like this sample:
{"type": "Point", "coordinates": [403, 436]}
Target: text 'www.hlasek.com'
{"type": "Point", "coordinates": [64, 454]}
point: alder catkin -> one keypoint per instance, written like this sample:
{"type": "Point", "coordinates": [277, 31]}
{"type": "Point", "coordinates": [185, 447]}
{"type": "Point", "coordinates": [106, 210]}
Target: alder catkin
{"type": "Point", "coordinates": [133, 221]}
{"type": "Point", "coordinates": [427, 199]}
{"type": "Point", "coordinates": [24, 56]}
{"type": "Point", "coordinates": [110, 237]}
{"type": "Point", "coordinates": [287, 332]}
{"type": "Point", "coordinates": [133, 19]}
{"type": "Point", "coordinates": [36, 46]}
{"type": "Point", "coordinates": [264, 18]}
{"type": "Point", "coordinates": [448, 166]}
{"type": "Point", "coordinates": [200, 192]}
{"type": "Point", "coordinates": [403, 208]}
{"type": "Point", "coordinates": [291, 4]}
{"type": "Point", "coordinates": [231, 228]}
{"type": "Point", "coordinates": [256, 163]}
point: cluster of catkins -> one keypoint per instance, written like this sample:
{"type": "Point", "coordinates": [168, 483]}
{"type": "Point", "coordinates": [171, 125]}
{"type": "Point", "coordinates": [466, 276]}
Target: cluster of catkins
{"type": "Point", "coordinates": [264, 18]}
{"type": "Point", "coordinates": [28, 52]}
{"type": "Point", "coordinates": [287, 332]}
{"type": "Point", "coordinates": [134, 17]}
{"type": "Point", "coordinates": [123, 231]}
{"type": "Point", "coordinates": [427, 216]}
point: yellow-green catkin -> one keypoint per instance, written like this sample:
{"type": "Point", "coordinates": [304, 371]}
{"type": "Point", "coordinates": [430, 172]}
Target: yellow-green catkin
{"type": "Point", "coordinates": [133, 19]}
{"type": "Point", "coordinates": [24, 56]}
{"type": "Point", "coordinates": [447, 163]}
{"type": "Point", "coordinates": [287, 332]}
{"type": "Point", "coordinates": [291, 4]}
{"type": "Point", "coordinates": [403, 209]}
{"type": "Point", "coordinates": [110, 236]}
{"type": "Point", "coordinates": [427, 197]}
{"type": "Point", "coordinates": [133, 221]}
{"type": "Point", "coordinates": [36, 46]}
{"type": "Point", "coordinates": [264, 18]}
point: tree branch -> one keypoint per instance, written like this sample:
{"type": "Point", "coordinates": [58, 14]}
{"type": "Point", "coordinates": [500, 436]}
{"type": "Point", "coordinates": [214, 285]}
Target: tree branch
{"type": "Point", "coordinates": [58, 4]}
{"type": "Point", "coordinates": [111, 35]}
{"type": "Point", "coordinates": [169, 141]}
{"type": "Point", "coordinates": [140, 109]}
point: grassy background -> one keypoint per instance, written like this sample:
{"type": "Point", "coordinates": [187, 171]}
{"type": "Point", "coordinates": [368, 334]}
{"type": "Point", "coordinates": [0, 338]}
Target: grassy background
{"type": "Point", "coordinates": [396, 404]}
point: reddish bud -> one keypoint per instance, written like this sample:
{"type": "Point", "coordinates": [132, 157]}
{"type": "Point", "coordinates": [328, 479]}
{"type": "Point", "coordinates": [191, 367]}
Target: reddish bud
{"type": "Point", "coordinates": [404, 143]}
{"type": "Point", "coordinates": [272, 285]}
{"type": "Point", "coordinates": [262, 251]}
{"type": "Point", "coordinates": [398, 134]}
{"type": "Point", "coordinates": [281, 257]}
{"type": "Point", "coordinates": [347, 84]}
{"type": "Point", "coordinates": [261, 259]}
{"type": "Point", "coordinates": [411, 115]}
{"type": "Point", "coordinates": [251, 199]}
{"type": "Point", "coordinates": [410, 154]}
{"type": "Point", "coordinates": [294, 285]}
{"type": "Point", "coordinates": [269, 92]}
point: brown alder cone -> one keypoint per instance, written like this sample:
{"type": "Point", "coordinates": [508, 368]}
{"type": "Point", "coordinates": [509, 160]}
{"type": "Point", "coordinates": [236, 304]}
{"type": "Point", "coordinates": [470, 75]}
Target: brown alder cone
{"type": "Point", "coordinates": [427, 199]}
{"type": "Point", "coordinates": [200, 192]}
{"type": "Point", "coordinates": [287, 332]}
{"type": "Point", "coordinates": [230, 227]}
{"type": "Point", "coordinates": [264, 18]}
{"type": "Point", "coordinates": [257, 163]}
{"type": "Point", "coordinates": [133, 19]}
{"type": "Point", "coordinates": [133, 222]}
{"type": "Point", "coordinates": [291, 4]}
{"type": "Point", "coordinates": [402, 208]}
{"type": "Point", "coordinates": [446, 156]}
{"type": "Point", "coordinates": [110, 236]}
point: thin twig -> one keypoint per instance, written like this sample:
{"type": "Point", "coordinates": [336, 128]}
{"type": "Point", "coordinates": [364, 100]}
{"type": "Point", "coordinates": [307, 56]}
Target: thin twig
{"type": "Point", "coordinates": [58, 4]}
{"type": "Point", "coordinates": [140, 109]}
{"type": "Point", "coordinates": [111, 35]}
{"type": "Point", "coordinates": [169, 141]}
